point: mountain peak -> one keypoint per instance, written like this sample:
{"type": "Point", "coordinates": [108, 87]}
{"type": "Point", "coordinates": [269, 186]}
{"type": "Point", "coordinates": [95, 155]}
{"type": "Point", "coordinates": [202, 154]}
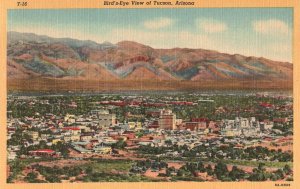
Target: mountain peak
{"type": "Point", "coordinates": [132, 44]}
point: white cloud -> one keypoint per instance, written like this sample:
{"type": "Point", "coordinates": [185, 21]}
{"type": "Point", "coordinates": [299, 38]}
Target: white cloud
{"type": "Point", "coordinates": [211, 25]}
{"type": "Point", "coordinates": [272, 26]}
{"type": "Point", "coordinates": [158, 23]}
{"type": "Point", "coordinates": [161, 39]}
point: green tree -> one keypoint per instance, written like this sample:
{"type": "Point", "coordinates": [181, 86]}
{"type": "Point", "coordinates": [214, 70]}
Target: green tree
{"type": "Point", "coordinates": [121, 144]}
{"type": "Point", "coordinates": [89, 170]}
{"type": "Point", "coordinates": [221, 171]}
{"type": "Point", "coordinates": [53, 178]}
{"type": "Point", "coordinates": [236, 173]}
{"type": "Point", "coordinates": [31, 177]}
{"type": "Point", "coordinates": [209, 170]}
{"type": "Point", "coordinates": [259, 174]}
{"type": "Point", "coordinates": [287, 169]}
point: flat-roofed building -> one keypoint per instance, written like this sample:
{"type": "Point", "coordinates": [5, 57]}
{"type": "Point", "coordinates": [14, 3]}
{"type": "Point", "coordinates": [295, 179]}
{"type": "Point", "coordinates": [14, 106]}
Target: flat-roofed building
{"type": "Point", "coordinates": [102, 149]}
{"type": "Point", "coordinates": [195, 126]}
{"type": "Point", "coordinates": [105, 118]}
{"type": "Point", "coordinates": [33, 134]}
{"type": "Point", "coordinates": [167, 120]}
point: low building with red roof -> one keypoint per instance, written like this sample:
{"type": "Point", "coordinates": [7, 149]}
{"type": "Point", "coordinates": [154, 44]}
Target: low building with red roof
{"type": "Point", "coordinates": [43, 152]}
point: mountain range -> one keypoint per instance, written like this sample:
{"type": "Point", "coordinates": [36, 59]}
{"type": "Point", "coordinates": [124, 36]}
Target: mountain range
{"type": "Point", "coordinates": [35, 58]}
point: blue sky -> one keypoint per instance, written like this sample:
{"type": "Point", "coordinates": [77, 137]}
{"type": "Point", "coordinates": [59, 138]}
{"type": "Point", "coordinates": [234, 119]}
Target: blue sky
{"type": "Point", "coordinates": [262, 32]}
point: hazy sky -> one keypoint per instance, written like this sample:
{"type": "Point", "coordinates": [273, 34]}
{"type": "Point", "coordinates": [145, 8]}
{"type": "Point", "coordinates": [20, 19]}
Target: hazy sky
{"type": "Point", "coordinates": [265, 32]}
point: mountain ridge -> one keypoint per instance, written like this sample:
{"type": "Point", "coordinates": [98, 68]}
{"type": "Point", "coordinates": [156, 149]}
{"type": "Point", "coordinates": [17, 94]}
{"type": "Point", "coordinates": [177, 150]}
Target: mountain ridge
{"type": "Point", "coordinates": [30, 56]}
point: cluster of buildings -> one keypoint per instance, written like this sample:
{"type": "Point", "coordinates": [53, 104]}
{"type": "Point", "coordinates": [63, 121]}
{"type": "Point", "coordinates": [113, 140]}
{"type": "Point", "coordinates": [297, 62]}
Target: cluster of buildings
{"type": "Point", "coordinates": [98, 131]}
{"type": "Point", "coordinates": [244, 126]}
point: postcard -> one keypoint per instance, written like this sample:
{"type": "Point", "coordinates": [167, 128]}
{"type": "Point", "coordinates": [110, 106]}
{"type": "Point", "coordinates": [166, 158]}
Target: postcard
{"type": "Point", "coordinates": [150, 94]}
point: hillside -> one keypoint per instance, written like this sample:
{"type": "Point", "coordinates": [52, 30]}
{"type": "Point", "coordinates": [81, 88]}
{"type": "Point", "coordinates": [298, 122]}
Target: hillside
{"type": "Point", "coordinates": [62, 60]}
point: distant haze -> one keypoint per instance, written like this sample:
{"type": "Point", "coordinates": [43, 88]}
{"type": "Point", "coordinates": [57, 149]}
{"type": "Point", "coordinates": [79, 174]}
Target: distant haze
{"type": "Point", "coordinates": [260, 32]}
